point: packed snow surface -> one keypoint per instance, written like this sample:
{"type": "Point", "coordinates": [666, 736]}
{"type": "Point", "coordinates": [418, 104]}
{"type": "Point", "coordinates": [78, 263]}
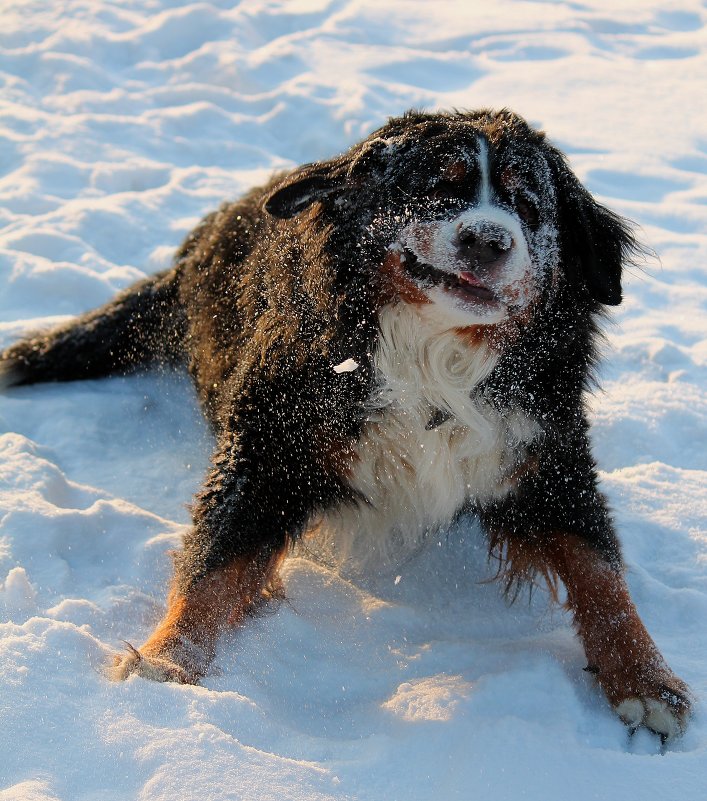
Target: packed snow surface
{"type": "Point", "coordinates": [121, 124]}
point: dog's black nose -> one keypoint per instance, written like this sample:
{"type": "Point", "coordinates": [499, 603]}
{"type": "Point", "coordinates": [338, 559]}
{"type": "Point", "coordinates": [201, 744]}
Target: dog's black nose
{"type": "Point", "coordinates": [484, 244]}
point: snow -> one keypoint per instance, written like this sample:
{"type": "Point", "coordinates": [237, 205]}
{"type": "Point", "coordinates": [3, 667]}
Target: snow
{"type": "Point", "coordinates": [347, 366]}
{"type": "Point", "coordinates": [121, 124]}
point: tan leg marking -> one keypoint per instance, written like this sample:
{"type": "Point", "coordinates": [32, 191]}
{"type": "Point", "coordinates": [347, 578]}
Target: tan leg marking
{"type": "Point", "coordinates": [183, 645]}
{"type": "Point", "coordinates": [621, 654]}
{"type": "Point", "coordinates": [337, 454]}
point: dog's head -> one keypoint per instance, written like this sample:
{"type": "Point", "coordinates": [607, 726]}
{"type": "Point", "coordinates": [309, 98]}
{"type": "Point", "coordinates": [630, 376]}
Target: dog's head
{"type": "Point", "coordinates": [477, 213]}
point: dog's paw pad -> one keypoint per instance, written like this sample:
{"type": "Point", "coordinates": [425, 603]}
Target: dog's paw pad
{"type": "Point", "coordinates": [151, 667]}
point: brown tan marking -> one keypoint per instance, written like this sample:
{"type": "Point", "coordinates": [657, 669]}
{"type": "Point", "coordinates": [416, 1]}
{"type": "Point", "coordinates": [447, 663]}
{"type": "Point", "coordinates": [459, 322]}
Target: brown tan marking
{"type": "Point", "coordinates": [521, 471]}
{"type": "Point", "coordinates": [520, 563]}
{"type": "Point", "coordinates": [510, 179]}
{"type": "Point", "coordinates": [496, 336]}
{"type": "Point", "coordinates": [183, 645]}
{"type": "Point", "coordinates": [455, 172]}
{"type": "Point", "coordinates": [397, 286]}
{"type": "Point", "coordinates": [336, 454]}
{"type": "Point", "coordinates": [621, 654]}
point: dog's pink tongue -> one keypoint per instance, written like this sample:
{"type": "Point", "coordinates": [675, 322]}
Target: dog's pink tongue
{"type": "Point", "coordinates": [470, 278]}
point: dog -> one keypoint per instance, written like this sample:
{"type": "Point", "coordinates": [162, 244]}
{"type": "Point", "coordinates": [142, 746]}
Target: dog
{"type": "Point", "coordinates": [382, 342]}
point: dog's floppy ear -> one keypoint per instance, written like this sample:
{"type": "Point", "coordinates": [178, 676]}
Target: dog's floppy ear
{"type": "Point", "coordinates": [298, 190]}
{"type": "Point", "coordinates": [596, 242]}
{"type": "Point", "coordinates": [321, 180]}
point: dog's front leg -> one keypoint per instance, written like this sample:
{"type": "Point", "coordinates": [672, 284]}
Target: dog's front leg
{"type": "Point", "coordinates": [257, 497]}
{"type": "Point", "coordinates": [230, 556]}
{"type": "Point", "coordinates": [555, 523]}
{"type": "Point", "coordinates": [620, 653]}
{"type": "Point", "coordinates": [183, 645]}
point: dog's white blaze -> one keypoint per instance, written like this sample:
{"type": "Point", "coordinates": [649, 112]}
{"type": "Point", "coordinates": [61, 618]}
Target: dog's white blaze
{"type": "Point", "coordinates": [485, 194]}
{"type": "Point", "coordinates": [415, 480]}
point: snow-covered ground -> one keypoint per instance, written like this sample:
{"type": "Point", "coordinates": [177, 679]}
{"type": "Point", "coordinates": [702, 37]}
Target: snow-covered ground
{"type": "Point", "coordinates": [121, 123]}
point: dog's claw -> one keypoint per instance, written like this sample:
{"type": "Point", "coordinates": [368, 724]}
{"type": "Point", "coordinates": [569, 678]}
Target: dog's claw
{"type": "Point", "coordinates": [148, 666]}
{"type": "Point", "coordinates": [133, 650]}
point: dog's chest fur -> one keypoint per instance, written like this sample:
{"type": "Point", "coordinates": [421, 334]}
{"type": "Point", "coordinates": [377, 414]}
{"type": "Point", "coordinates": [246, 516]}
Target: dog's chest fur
{"type": "Point", "coordinates": [414, 474]}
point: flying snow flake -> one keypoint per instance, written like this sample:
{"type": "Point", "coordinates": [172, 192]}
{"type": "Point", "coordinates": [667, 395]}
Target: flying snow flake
{"type": "Point", "coordinates": [347, 366]}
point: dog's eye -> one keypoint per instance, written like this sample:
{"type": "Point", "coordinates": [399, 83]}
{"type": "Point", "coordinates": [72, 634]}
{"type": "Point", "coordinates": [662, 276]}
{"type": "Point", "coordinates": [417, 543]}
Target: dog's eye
{"type": "Point", "coordinates": [446, 190]}
{"type": "Point", "coordinates": [527, 210]}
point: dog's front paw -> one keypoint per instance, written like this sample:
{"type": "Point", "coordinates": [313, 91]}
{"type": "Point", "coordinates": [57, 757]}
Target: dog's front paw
{"type": "Point", "coordinates": [148, 665]}
{"type": "Point", "coordinates": [666, 715]}
{"type": "Point", "coordinates": [656, 699]}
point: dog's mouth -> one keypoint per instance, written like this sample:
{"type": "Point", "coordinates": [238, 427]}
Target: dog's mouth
{"type": "Point", "coordinates": [465, 285]}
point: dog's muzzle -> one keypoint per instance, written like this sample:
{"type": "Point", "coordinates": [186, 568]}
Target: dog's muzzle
{"type": "Point", "coordinates": [478, 260]}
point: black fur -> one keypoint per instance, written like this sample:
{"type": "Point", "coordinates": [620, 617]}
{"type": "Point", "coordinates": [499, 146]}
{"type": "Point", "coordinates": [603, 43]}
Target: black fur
{"type": "Point", "coordinates": [272, 291]}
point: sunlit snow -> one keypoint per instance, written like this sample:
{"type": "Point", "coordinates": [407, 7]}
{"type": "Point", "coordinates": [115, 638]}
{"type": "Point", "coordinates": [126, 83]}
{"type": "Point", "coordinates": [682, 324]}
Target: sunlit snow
{"type": "Point", "coordinates": [121, 124]}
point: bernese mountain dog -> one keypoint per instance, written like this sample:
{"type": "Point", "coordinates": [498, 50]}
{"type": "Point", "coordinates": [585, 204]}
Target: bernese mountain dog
{"type": "Point", "coordinates": [381, 342]}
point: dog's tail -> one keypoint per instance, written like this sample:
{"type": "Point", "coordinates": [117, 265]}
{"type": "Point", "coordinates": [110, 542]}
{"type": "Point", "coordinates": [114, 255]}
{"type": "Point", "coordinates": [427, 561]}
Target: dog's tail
{"type": "Point", "coordinates": [142, 325]}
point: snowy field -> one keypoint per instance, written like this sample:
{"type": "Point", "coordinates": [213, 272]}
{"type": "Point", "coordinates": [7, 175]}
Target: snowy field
{"type": "Point", "coordinates": [121, 124]}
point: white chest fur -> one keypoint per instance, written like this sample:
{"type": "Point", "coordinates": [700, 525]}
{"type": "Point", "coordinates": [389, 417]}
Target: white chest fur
{"type": "Point", "coordinates": [416, 478]}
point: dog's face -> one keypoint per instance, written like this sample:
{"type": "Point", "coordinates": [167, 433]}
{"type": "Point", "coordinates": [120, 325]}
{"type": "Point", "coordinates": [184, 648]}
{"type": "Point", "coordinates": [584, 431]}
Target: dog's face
{"type": "Point", "coordinates": [477, 214]}
{"type": "Point", "coordinates": [477, 226]}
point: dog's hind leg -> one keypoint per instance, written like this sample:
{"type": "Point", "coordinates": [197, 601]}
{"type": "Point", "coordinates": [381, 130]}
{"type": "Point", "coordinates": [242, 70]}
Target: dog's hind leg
{"type": "Point", "coordinates": [141, 325]}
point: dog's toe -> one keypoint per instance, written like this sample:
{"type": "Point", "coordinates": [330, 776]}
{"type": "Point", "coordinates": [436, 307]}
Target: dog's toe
{"type": "Point", "coordinates": [665, 715]}
{"type": "Point", "coordinates": [664, 719]}
{"type": "Point", "coordinates": [631, 711]}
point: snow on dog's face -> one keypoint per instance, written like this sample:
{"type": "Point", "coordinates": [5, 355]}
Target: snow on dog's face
{"type": "Point", "coordinates": [472, 212]}
{"type": "Point", "coordinates": [480, 239]}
